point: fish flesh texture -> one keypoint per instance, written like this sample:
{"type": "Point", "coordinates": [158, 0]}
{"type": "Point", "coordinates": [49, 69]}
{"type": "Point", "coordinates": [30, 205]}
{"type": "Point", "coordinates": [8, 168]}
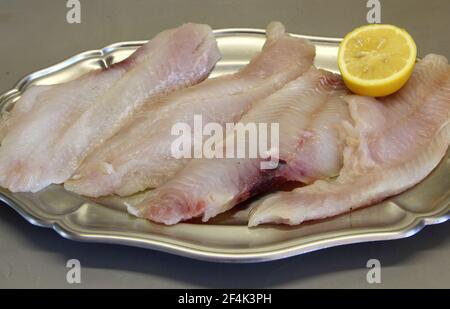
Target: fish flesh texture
{"type": "Point", "coordinates": [52, 129]}
{"type": "Point", "coordinates": [309, 112]}
{"type": "Point", "coordinates": [139, 156]}
{"type": "Point", "coordinates": [392, 144]}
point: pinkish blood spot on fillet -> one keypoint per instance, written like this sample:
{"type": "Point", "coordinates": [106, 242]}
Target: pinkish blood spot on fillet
{"type": "Point", "coordinates": [199, 208]}
{"type": "Point", "coordinates": [267, 182]}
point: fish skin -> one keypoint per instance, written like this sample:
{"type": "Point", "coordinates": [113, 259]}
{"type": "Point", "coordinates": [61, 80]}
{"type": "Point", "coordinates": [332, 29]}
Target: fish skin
{"type": "Point", "coordinates": [394, 144]}
{"type": "Point", "coordinates": [309, 111]}
{"type": "Point", "coordinates": [139, 156]}
{"type": "Point", "coordinates": [45, 141]}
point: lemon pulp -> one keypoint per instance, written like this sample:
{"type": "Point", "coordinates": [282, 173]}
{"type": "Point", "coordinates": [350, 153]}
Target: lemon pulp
{"type": "Point", "coordinates": [377, 60]}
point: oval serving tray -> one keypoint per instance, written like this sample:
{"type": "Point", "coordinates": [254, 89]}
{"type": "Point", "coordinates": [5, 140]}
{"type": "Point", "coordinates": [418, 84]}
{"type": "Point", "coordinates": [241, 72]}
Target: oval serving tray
{"type": "Point", "coordinates": [227, 237]}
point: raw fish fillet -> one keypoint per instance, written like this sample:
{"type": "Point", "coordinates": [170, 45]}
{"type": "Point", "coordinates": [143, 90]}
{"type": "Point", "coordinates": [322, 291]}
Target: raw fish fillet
{"type": "Point", "coordinates": [53, 128]}
{"type": "Point", "coordinates": [394, 144]}
{"type": "Point", "coordinates": [139, 156]}
{"type": "Point", "coordinates": [309, 111]}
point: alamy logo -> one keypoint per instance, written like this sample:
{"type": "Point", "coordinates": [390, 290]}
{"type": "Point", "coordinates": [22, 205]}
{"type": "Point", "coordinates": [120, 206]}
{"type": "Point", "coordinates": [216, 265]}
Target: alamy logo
{"type": "Point", "coordinates": [73, 16]}
{"type": "Point", "coordinates": [374, 14]}
{"type": "Point", "coordinates": [229, 141]}
{"type": "Point", "coordinates": [374, 274]}
{"type": "Point", "coordinates": [73, 276]}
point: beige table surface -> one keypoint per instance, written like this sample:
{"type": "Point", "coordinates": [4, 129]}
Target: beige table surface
{"type": "Point", "coordinates": [35, 34]}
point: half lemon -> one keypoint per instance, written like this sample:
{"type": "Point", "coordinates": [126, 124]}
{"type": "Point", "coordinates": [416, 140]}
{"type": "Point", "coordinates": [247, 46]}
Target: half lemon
{"type": "Point", "coordinates": [377, 60]}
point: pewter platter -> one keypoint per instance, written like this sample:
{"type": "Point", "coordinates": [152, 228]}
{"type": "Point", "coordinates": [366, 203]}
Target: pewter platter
{"type": "Point", "coordinates": [226, 238]}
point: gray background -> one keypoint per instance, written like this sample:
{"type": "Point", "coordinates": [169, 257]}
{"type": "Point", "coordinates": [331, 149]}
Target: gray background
{"type": "Point", "coordinates": [35, 34]}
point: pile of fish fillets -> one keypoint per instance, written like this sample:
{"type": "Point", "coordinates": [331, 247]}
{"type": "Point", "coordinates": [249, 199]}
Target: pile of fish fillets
{"type": "Point", "coordinates": [109, 132]}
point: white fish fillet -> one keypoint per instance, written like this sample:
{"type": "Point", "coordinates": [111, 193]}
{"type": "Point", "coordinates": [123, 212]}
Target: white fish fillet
{"type": "Point", "coordinates": [53, 128]}
{"type": "Point", "coordinates": [394, 144]}
{"type": "Point", "coordinates": [139, 156]}
{"type": "Point", "coordinates": [309, 111]}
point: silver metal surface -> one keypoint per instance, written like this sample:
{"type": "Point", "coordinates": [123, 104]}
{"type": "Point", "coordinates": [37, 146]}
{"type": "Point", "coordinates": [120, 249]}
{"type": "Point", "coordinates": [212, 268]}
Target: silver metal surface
{"type": "Point", "coordinates": [227, 237]}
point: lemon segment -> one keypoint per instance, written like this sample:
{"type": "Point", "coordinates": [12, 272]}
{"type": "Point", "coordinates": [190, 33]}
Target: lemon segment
{"type": "Point", "coordinates": [377, 60]}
